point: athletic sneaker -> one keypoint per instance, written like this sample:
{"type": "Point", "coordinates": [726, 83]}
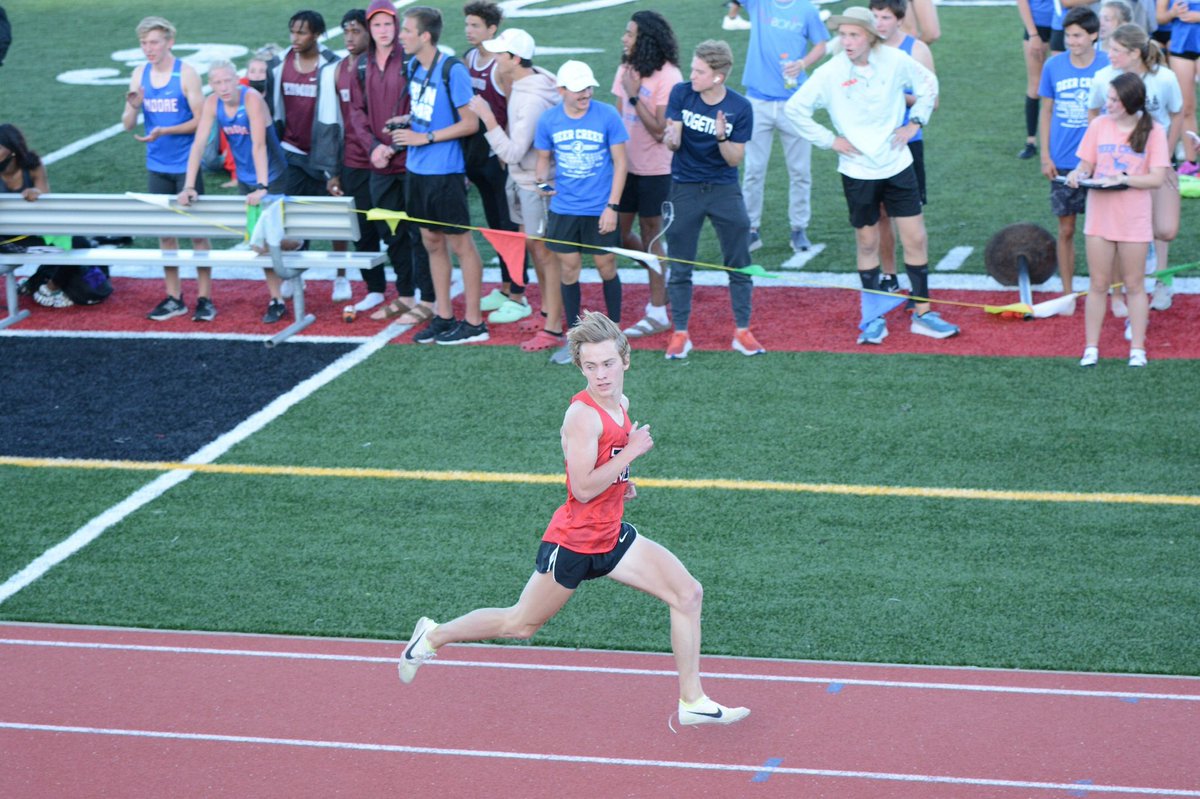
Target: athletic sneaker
{"type": "Point", "coordinates": [435, 328]}
{"type": "Point", "coordinates": [418, 650]}
{"type": "Point", "coordinates": [745, 342]}
{"type": "Point", "coordinates": [288, 287]}
{"type": "Point", "coordinates": [800, 241]}
{"type": "Point", "coordinates": [510, 311]}
{"type": "Point", "coordinates": [875, 332]}
{"type": "Point", "coordinates": [735, 24]}
{"type": "Point", "coordinates": [1090, 356]}
{"type": "Point", "coordinates": [931, 324]}
{"type": "Point", "coordinates": [167, 309]}
{"type": "Point", "coordinates": [275, 311]}
{"type": "Point", "coordinates": [463, 333]}
{"type": "Point", "coordinates": [44, 296]}
{"type": "Point", "coordinates": [679, 346]}
{"type": "Point", "coordinates": [341, 289]}
{"type": "Point", "coordinates": [1188, 168]}
{"type": "Point", "coordinates": [368, 302]}
{"type": "Point", "coordinates": [1028, 151]}
{"type": "Point", "coordinates": [205, 310]}
{"type": "Point", "coordinates": [889, 283]}
{"type": "Point", "coordinates": [706, 711]}
{"type": "Point", "coordinates": [755, 240]}
{"type": "Point", "coordinates": [561, 356]}
{"type": "Point", "coordinates": [493, 301]}
{"type": "Point", "coordinates": [1160, 298]}
{"type": "Point", "coordinates": [1137, 358]}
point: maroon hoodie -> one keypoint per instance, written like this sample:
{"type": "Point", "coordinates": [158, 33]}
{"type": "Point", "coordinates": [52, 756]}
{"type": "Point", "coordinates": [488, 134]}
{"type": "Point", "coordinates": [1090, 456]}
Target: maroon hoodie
{"type": "Point", "coordinates": [384, 96]}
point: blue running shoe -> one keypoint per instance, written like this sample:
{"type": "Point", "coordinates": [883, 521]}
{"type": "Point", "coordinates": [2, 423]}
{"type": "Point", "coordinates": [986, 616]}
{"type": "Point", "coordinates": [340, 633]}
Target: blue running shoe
{"type": "Point", "coordinates": [875, 332]}
{"type": "Point", "coordinates": [932, 325]}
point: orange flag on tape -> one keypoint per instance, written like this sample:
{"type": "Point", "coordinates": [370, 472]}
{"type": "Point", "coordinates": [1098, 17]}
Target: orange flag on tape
{"type": "Point", "coordinates": [510, 247]}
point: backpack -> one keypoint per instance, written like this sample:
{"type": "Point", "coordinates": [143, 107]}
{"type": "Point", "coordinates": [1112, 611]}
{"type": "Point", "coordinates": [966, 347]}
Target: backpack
{"type": "Point", "coordinates": [475, 147]}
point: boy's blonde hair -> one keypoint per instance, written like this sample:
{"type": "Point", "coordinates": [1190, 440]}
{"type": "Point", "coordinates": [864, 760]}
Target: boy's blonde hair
{"type": "Point", "coordinates": [156, 24]}
{"type": "Point", "coordinates": [717, 54]}
{"type": "Point", "coordinates": [596, 328]}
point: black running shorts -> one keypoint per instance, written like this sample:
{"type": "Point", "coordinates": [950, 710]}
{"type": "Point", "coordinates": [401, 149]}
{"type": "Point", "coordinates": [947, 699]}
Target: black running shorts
{"type": "Point", "coordinates": [571, 568]}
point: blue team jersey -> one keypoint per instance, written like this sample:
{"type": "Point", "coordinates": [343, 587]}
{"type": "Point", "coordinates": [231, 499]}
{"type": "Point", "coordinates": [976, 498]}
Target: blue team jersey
{"type": "Point", "coordinates": [907, 47]}
{"type": "Point", "coordinates": [582, 162]}
{"type": "Point", "coordinates": [162, 108]}
{"type": "Point", "coordinates": [1070, 88]}
{"type": "Point", "coordinates": [781, 30]}
{"type": "Point", "coordinates": [237, 133]}
{"type": "Point", "coordinates": [431, 110]}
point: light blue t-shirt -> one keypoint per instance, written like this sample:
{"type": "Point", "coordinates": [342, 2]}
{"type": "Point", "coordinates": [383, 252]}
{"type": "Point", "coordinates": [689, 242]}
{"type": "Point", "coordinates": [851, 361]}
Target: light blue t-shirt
{"type": "Point", "coordinates": [780, 30]}
{"type": "Point", "coordinates": [431, 110]}
{"type": "Point", "coordinates": [1069, 87]}
{"type": "Point", "coordinates": [582, 161]}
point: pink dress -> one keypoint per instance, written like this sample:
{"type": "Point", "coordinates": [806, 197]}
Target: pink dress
{"type": "Point", "coordinates": [1120, 215]}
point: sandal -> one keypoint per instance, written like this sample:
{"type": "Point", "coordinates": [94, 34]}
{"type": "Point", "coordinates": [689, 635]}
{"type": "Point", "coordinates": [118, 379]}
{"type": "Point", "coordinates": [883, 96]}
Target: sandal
{"type": "Point", "coordinates": [390, 311]}
{"type": "Point", "coordinates": [416, 315]}
{"type": "Point", "coordinates": [544, 340]}
{"type": "Point", "coordinates": [532, 323]}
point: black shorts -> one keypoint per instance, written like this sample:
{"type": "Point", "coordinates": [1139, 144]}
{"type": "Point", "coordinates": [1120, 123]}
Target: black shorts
{"type": "Point", "coordinates": [900, 195]}
{"type": "Point", "coordinates": [1058, 42]}
{"type": "Point", "coordinates": [570, 568]}
{"type": "Point", "coordinates": [1162, 36]}
{"type": "Point", "coordinates": [1190, 55]}
{"type": "Point", "coordinates": [1043, 33]}
{"type": "Point", "coordinates": [644, 195]}
{"type": "Point", "coordinates": [438, 198]}
{"type": "Point", "coordinates": [568, 231]}
{"type": "Point", "coordinates": [171, 182]}
{"type": "Point", "coordinates": [1065, 201]}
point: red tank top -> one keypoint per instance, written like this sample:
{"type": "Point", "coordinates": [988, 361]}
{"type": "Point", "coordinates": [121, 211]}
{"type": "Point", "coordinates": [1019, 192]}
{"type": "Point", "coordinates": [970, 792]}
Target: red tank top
{"type": "Point", "coordinates": [299, 103]}
{"type": "Point", "coordinates": [592, 527]}
{"type": "Point", "coordinates": [483, 81]}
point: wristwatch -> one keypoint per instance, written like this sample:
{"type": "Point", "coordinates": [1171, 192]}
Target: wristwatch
{"type": "Point", "coordinates": [430, 137]}
{"type": "Point", "coordinates": [633, 100]}
{"type": "Point", "coordinates": [920, 123]}
{"type": "Point", "coordinates": [614, 207]}
{"type": "Point", "coordinates": [720, 140]}
{"type": "Point", "coordinates": [262, 187]}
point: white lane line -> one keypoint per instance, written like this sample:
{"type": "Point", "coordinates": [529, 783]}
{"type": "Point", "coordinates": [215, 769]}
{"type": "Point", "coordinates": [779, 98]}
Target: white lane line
{"type": "Point", "coordinates": [546, 757]}
{"type": "Point", "coordinates": [801, 258]}
{"type": "Point", "coordinates": [548, 667]}
{"type": "Point", "coordinates": [954, 259]}
{"type": "Point", "coordinates": [153, 334]}
{"type": "Point", "coordinates": [207, 454]}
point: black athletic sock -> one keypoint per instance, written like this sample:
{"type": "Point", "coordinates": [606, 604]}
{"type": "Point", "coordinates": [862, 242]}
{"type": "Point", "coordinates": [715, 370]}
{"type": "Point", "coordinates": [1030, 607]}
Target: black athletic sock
{"type": "Point", "coordinates": [571, 302]}
{"type": "Point", "coordinates": [1031, 116]}
{"type": "Point", "coordinates": [918, 278]}
{"type": "Point", "coordinates": [612, 298]}
{"type": "Point", "coordinates": [870, 278]}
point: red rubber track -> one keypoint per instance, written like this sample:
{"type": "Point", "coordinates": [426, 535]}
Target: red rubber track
{"type": "Point", "coordinates": [95, 712]}
{"type": "Point", "coordinates": [785, 319]}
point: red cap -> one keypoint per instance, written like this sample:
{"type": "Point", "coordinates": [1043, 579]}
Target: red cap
{"type": "Point", "coordinates": [386, 6]}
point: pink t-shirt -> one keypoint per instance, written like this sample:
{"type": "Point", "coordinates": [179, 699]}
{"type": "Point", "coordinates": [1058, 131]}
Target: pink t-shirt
{"type": "Point", "coordinates": [646, 156]}
{"type": "Point", "coordinates": [1120, 215]}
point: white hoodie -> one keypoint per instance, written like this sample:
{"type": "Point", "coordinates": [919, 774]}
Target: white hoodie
{"type": "Point", "coordinates": [529, 97]}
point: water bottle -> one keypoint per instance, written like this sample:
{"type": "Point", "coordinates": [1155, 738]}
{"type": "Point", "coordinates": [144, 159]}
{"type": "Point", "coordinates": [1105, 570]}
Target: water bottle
{"type": "Point", "coordinates": [789, 81]}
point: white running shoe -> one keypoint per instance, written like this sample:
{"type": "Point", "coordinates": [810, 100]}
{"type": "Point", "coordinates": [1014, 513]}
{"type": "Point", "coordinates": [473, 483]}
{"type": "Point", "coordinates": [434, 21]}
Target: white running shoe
{"type": "Point", "coordinates": [418, 650]}
{"type": "Point", "coordinates": [1090, 356]}
{"type": "Point", "coordinates": [1137, 358]}
{"type": "Point", "coordinates": [1160, 298]}
{"type": "Point", "coordinates": [368, 302]}
{"type": "Point", "coordinates": [288, 288]}
{"type": "Point", "coordinates": [341, 289]}
{"type": "Point", "coordinates": [706, 711]}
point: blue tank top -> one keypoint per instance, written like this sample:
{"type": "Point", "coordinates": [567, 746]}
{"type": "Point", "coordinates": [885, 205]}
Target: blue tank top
{"type": "Point", "coordinates": [1185, 36]}
{"type": "Point", "coordinates": [163, 108]}
{"type": "Point", "coordinates": [237, 133]}
{"type": "Point", "coordinates": [907, 46]}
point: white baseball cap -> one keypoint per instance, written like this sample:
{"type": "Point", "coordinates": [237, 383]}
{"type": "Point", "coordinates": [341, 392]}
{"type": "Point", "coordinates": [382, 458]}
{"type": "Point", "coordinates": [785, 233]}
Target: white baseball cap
{"type": "Point", "coordinates": [575, 76]}
{"type": "Point", "coordinates": [511, 40]}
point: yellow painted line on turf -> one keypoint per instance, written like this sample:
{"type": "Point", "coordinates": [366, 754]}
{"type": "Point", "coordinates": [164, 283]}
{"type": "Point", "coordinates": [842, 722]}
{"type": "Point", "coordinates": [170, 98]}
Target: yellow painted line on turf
{"type": "Point", "coordinates": [918, 492]}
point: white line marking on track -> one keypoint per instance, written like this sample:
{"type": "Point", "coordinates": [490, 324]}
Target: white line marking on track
{"type": "Point", "coordinates": [798, 260]}
{"type": "Point", "coordinates": [486, 664]}
{"type": "Point", "coordinates": [151, 334]}
{"type": "Point", "coordinates": [206, 454]}
{"type": "Point", "coordinates": [953, 259]}
{"type": "Point", "coordinates": [753, 768]}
